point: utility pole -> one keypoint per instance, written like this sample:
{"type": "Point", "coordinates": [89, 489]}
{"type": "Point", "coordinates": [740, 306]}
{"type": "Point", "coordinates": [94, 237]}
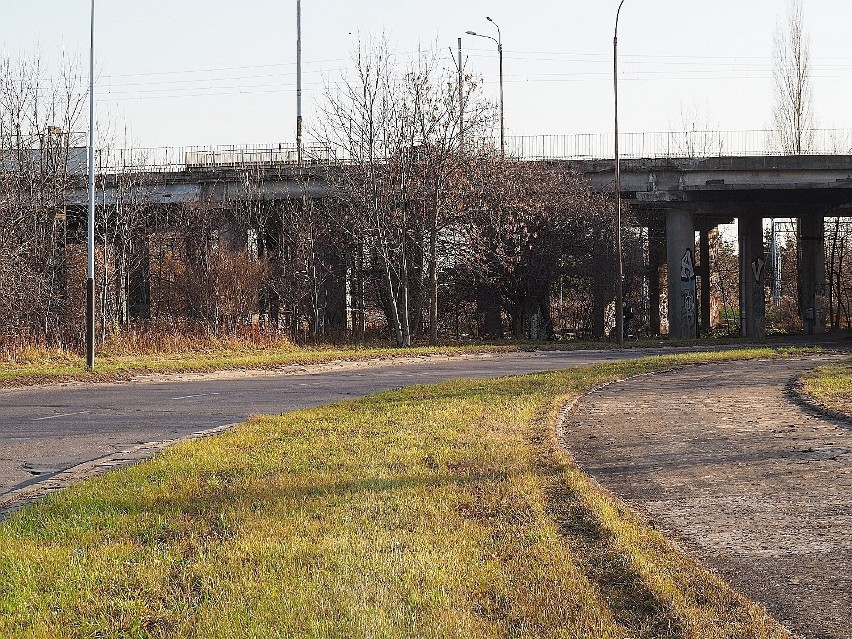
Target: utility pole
{"type": "Point", "coordinates": [299, 81]}
{"type": "Point", "coordinates": [90, 270]}
{"type": "Point", "coordinates": [461, 98]}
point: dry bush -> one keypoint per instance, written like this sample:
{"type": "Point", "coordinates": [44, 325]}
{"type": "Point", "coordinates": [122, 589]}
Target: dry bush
{"type": "Point", "coordinates": [784, 318]}
{"type": "Point", "coordinates": [223, 292]}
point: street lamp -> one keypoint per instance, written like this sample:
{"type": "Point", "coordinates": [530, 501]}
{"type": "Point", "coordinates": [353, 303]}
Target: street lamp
{"type": "Point", "coordinates": [90, 271]}
{"type": "Point", "coordinates": [499, 41]}
{"type": "Point", "coordinates": [619, 301]}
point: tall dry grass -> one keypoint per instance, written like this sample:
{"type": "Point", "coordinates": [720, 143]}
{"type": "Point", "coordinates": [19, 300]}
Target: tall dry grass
{"type": "Point", "coordinates": [147, 338]}
{"type": "Point", "coordinates": [169, 338]}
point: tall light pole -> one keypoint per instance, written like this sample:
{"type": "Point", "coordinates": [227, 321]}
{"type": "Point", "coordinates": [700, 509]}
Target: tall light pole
{"type": "Point", "coordinates": [461, 99]}
{"type": "Point", "coordinates": [299, 81]}
{"type": "Point", "coordinates": [90, 271]}
{"type": "Point", "coordinates": [499, 41]}
{"type": "Point", "coordinates": [619, 280]}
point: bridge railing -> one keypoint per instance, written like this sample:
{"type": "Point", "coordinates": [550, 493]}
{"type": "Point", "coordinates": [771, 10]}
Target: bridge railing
{"type": "Point", "coordinates": [188, 158]}
{"type": "Point", "coordinates": [653, 145]}
{"type": "Point", "coordinates": [674, 144]}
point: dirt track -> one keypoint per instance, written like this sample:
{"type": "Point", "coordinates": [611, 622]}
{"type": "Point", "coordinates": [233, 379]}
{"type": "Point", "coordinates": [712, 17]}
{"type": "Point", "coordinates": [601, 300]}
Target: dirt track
{"type": "Point", "coordinates": [724, 458]}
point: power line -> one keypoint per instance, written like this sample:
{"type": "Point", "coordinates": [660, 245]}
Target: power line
{"type": "Point", "coordinates": [521, 55]}
{"type": "Point", "coordinates": [232, 80]}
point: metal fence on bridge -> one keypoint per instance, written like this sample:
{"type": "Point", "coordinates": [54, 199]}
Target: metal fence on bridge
{"type": "Point", "coordinates": [673, 144]}
{"type": "Point", "coordinates": [653, 145]}
{"type": "Point", "coordinates": [188, 158]}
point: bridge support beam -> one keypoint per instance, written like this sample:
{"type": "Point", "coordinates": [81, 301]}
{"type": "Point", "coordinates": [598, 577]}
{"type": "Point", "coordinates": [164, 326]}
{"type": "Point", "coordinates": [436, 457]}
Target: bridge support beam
{"type": "Point", "coordinates": [812, 273]}
{"type": "Point", "coordinates": [704, 274]}
{"type": "Point", "coordinates": [680, 253]}
{"type": "Point", "coordinates": [139, 280]}
{"type": "Point", "coordinates": [752, 277]}
{"type": "Point", "coordinates": [656, 258]}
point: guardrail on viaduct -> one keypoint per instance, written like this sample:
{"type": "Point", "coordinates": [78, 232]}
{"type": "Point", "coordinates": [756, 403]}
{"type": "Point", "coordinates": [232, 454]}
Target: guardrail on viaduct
{"type": "Point", "coordinates": [653, 145]}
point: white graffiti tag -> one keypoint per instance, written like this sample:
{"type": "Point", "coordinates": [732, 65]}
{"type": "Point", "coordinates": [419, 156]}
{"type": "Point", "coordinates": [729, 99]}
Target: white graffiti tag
{"type": "Point", "coordinates": [757, 265]}
{"type": "Point", "coordinates": [687, 266]}
{"type": "Point", "coordinates": [688, 308]}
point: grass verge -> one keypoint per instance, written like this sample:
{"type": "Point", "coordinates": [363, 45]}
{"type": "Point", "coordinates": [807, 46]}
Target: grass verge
{"type": "Point", "coordinates": [117, 362]}
{"type": "Point", "coordinates": [830, 386]}
{"type": "Point", "coordinates": [434, 511]}
{"type": "Point", "coordinates": [56, 366]}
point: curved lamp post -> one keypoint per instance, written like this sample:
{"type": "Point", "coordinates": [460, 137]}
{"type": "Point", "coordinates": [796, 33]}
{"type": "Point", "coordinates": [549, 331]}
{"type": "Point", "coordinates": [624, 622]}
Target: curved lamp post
{"type": "Point", "coordinates": [499, 41]}
{"type": "Point", "coordinates": [90, 270]}
{"type": "Point", "coordinates": [619, 282]}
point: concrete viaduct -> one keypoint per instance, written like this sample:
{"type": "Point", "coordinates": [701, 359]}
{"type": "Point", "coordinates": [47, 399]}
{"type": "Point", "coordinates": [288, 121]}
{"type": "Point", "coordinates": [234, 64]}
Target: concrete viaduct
{"type": "Point", "coordinates": [674, 199]}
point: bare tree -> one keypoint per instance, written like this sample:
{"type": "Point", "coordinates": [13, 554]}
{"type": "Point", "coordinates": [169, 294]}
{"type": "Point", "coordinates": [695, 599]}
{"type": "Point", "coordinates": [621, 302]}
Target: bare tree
{"type": "Point", "coordinates": [696, 134]}
{"type": "Point", "coordinates": [397, 129]}
{"type": "Point", "coordinates": [432, 91]}
{"type": "Point", "coordinates": [359, 124]}
{"type": "Point", "coordinates": [839, 241]}
{"type": "Point", "coordinates": [793, 110]}
{"type": "Point", "coordinates": [531, 227]}
{"type": "Point", "coordinates": [37, 168]}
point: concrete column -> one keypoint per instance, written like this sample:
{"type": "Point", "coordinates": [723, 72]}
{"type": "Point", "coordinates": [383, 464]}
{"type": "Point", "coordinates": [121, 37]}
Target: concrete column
{"type": "Point", "coordinates": [139, 278]}
{"type": "Point", "coordinates": [488, 312]}
{"type": "Point", "coordinates": [655, 260]}
{"type": "Point", "coordinates": [680, 256]}
{"type": "Point", "coordinates": [704, 272]}
{"type": "Point", "coordinates": [752, 277]}
{"type": "Point", "coordinates": [812, 273]}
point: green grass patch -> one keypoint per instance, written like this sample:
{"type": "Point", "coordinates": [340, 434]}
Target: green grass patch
{"type": "Point", "coordinates": [28, 367]}
{"type": "Point", "coordinates": [55, 366]}
{"type": "Point", "coordinates": [433, 511]}
{"type": "Point", "coordinates": [831, 386]}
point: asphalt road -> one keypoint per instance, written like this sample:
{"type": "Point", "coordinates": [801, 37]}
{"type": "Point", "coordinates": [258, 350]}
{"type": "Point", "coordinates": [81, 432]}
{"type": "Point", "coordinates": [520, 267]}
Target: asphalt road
{"type": "Point", "coordinates": [46, 430]}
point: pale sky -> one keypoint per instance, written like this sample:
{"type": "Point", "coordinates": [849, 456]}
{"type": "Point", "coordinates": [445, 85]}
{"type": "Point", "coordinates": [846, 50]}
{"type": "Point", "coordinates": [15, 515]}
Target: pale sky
{"type": "Point", "coordinates": [198, 72]}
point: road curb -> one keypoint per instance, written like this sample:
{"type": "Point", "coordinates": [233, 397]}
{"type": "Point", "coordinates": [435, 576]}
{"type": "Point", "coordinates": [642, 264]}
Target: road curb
{"type": "Point", "coordinates": [32, 491]}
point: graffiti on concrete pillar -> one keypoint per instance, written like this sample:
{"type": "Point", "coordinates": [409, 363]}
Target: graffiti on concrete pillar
{"type": "Point", "coordinates": [687, 291]}
{"type": "Point", "coordinates": [687, 267]}
{"type": "Point", "coordinates": [652, 182]}
{"type": "Point", "coordinates": [688, 308]}
{"type": "Point", "coordinates": [757, 266]}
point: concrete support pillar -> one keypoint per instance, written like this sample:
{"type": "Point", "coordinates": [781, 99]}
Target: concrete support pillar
{"type": "Point", "coordinates": [489, 319]}
{"type": "Point", "coordinates": [812, 273]}
{"type": "Point", "coordinates": [655, 260]}
{"type": "Point", "coordinates": [704, 273]}
{"type": "Point", "coordinates": [752, 277]}
{"type": "Point", "coordinates": [139, 278]}
{"type": "Point", "coordinates": [680, 255]}
{"type": "Point", "coordinates": [333, 291]}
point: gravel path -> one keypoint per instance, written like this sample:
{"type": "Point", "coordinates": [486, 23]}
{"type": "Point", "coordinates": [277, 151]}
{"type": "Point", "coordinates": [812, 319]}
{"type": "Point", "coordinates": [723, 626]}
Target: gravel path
{"type": "Point", "coordinates": [723, 457]}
